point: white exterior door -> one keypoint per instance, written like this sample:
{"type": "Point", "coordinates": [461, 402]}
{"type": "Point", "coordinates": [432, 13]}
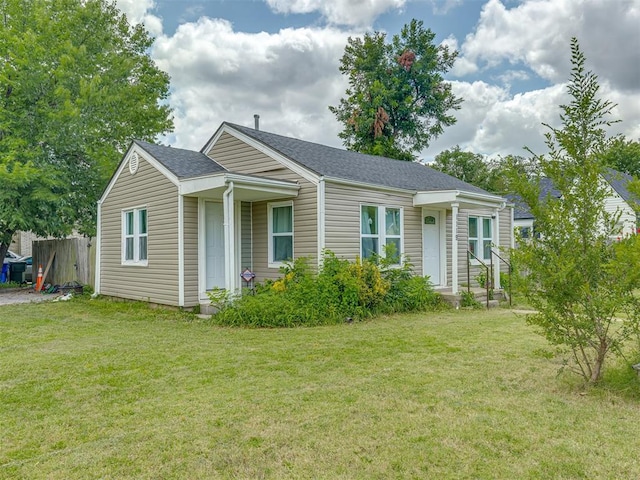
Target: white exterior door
{"type": "Point", "coordinates": [431, 257]}
{"type": "Point", "coordinates": [214, 245]}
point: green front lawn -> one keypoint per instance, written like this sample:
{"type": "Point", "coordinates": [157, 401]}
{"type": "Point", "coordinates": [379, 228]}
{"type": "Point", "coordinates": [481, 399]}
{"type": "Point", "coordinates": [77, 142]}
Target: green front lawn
{"type": "Point", "coordinates": [95, 389]}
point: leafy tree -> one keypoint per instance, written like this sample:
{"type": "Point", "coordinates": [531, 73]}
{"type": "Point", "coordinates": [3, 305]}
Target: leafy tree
{"type": "Point", "coordinates": [76, 84]}
{"type": "Point", "coordinates": [577, 278]}
{"type": "Point", "coordinates": [397, 100]}
{"type": "Point", "coordinates": [473, 168]}
{"type": "Point", "coordinates": [466, 166]}
{"type": "Point", "coordinates": [623, 155]}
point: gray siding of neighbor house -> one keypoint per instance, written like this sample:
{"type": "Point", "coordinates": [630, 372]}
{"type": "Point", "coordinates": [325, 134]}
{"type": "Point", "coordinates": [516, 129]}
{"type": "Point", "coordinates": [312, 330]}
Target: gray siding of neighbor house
{"type": "Point", "coordinates": [158, 281]}
{"type": "Point", "coordinates": [342, 220]}
{"type": "Point", "coordinates": [190, 251]}
{"type": "Point", "coordinates": [238, 157]}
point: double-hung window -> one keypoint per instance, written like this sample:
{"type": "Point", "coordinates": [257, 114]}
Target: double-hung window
{"type": "Point", "coordinates": [134, 236]}
{"type": "Point", "coordinates": [480, 237]}
{"type": "Point", "coordinates": [280, 233]}
{"type": "Point", "coordinates": [380, 227]}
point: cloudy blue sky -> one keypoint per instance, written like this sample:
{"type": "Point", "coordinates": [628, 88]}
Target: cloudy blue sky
{"type": "Point", "coordinates": [230, 59]}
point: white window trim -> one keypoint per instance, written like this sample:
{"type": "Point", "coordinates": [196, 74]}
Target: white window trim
{"type": "Point", "coordinates": [481, 237]}
{"type": "Point", "coordinates": [136, 236]}
{"type": "Point", "coordinates": [382, 230]}
{"type": "Point", "coordinates": [270, 206]}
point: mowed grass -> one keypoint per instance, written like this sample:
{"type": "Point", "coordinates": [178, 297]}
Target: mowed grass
{"type": "Point", "coordinates": [96, 389]}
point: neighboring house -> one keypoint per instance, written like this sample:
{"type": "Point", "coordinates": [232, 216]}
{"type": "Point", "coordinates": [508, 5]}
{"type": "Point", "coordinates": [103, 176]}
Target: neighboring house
{"type": "Point", "coordinates": [22, 242]}
{"type": "Point", "coordinates": [174, 224]}
{"type": "Point", "coordinates": [619, 200]}
{"type": "Point", "coordinates": [523, 219]}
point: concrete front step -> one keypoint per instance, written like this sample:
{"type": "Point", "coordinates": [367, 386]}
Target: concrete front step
{"type": "Point", "coordinates": [479, 295]}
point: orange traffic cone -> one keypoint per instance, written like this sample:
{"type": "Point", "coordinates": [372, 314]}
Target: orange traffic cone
{"type": "Point", "coordinates": [39, 280]}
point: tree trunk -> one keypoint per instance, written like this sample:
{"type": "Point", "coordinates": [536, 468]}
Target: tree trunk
{"type": "Point", "coordinates": [598, 364]}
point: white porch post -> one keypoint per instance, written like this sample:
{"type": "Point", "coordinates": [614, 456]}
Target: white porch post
{"type": "Point", "coordinates": [454, 247]}
{"type": "Point", "coordinates": [229, 239]}
{"type": "Point", "coordinates": [98, 268]}
{"type": "Point", "coordinates": [180, 250]}
{"type": "Point", "coordinates": [496, 242]}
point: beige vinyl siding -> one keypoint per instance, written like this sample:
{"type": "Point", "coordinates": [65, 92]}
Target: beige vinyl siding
{"type": "Point", "coordinates": [505, 229]}
{"type": "Point", "coordinates": [448, 246]}
{"type": "Point", "coordinates": [246, 260]}
{"type": "Point", "coordinates": [342, 220]}
{"type": "Point", "coordinates": [305, 236]}
{"type": "Point", "coordinates": [260, 242]}
{"type": "Point", "coordinates": [238, 157]}
{"type": "Point", "coordinates": [190, 251]}
{"type": "Point", "coordinates": [158, 281]}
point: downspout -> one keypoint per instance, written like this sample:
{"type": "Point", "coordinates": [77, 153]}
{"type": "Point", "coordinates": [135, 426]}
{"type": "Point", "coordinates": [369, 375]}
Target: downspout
{"type": "Point", "coordinates": [96, 279]}
{"type": "Point", "coordinates": [229, 254]}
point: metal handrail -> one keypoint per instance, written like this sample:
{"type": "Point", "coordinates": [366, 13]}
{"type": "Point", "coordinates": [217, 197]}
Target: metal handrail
{"type": "Point", "coordinates": [487, 282]}
{"type": "Point", "coordinates": [508, 264]}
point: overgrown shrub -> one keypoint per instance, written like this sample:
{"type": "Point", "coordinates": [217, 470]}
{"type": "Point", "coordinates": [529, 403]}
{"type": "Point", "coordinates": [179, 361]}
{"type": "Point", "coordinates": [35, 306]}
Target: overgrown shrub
{"type": "Point", "coordinates": [342, 290]}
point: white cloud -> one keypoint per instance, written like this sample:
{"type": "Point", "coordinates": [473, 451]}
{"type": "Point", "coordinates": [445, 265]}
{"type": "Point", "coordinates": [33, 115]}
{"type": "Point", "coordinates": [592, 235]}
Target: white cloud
{"type": "Point", "coordinates": [339, 12]}
{"type": "Point", "coordinates": [536, 33]}
{"type": "Point", "coordinates": [137, 11]}
{"type": "Point", "coordinates": [289, 78]}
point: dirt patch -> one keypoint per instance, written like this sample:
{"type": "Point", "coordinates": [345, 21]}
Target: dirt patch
{"type": "Point", "coordinates": [22, 295]}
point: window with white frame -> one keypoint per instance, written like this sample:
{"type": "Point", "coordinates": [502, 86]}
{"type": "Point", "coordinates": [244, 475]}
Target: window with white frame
{"type": "Point", "coordinates": [379, 227]}
{"type": "Point", "coordinates": [134, 236]}
{"type": "Point", "coordinates": [280, 233]}
{"type": "Point", "coordinates": [480, 237]}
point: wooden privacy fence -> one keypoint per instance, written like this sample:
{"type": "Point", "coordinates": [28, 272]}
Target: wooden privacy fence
{"type": "Point", "coordinates": [75, 259]}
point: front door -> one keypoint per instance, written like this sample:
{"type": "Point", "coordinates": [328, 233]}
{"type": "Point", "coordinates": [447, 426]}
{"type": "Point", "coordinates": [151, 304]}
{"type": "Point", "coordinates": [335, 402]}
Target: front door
{"type": "Point", "coordinates": [214, 245]}
{"type": "Point", "coordinates": [431, 245]}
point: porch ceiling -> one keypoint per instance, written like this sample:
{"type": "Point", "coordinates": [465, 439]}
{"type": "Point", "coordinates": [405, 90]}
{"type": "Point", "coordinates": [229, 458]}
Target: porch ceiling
{"type": "Point", "coordinates": [445, 198]}
{"type": "Point", "coordinates": [246, 188]}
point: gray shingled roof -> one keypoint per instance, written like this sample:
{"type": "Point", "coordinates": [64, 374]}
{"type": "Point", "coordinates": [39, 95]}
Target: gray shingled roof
{"type": "Point", "coordinates": [520, 209]}
{"type": "Point", "coordinates": [352, 166]}
{"type": "Point", "coordinates": [619, 182]}
{"type": "Point", "coordinates": [182, 163]}
{"type": "Point", "coordinates": [547, 189]}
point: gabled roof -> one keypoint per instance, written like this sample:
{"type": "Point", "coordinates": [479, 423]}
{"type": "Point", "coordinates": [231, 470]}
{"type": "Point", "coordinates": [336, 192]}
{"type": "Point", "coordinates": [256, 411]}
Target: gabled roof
{"type": "Point", "coordinates": [547, 189]}
{"type": "Point", "coordinates": [520, 209]}
{"type": "Point", "coordinates": [619, 182]}
{"type": "Point", "coordinates": [182, 163]}
{"type": "Point", "coordinates": [357, 167]}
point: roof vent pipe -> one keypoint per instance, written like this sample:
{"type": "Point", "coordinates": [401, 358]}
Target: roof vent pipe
{"type": "Point", "coordinates": [256, 119]}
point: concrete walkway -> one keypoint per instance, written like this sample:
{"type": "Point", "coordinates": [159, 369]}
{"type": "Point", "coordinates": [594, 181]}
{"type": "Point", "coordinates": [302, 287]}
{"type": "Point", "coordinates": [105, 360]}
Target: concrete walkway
{"type": "Point", "coordinates": [13, 296]}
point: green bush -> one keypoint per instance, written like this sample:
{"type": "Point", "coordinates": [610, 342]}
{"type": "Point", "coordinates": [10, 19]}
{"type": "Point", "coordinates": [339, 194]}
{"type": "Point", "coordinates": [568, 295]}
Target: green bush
{"type": "Point", "coordinates": [341, 291]}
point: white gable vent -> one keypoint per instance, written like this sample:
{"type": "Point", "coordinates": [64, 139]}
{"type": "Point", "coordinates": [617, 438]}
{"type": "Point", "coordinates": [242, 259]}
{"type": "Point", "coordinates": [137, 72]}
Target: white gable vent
{"type": "Point", "coordinates": [133, 163]}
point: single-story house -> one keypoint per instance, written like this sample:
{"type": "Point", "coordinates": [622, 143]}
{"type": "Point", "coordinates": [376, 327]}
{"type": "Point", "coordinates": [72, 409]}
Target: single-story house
{"type": "Point", "coordinates": [619, 200]}
{"type": "Point", "coordinates": [174, 223]}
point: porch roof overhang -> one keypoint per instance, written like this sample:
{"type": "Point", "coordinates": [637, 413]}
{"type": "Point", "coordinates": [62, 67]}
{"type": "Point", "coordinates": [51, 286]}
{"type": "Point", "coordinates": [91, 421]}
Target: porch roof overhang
{"type": "Point", "coordinates": [247, 188]}
{"type": "Point", "coordinates": [445, 198]}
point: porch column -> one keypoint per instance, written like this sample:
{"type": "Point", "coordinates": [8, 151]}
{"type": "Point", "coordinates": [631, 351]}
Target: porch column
{"type": "Point", "coordinates": [496, 242]}
{"type": "Point", "coordinates": [454, 247]}
{"type": "Point", "coordinates": [229, 239]}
